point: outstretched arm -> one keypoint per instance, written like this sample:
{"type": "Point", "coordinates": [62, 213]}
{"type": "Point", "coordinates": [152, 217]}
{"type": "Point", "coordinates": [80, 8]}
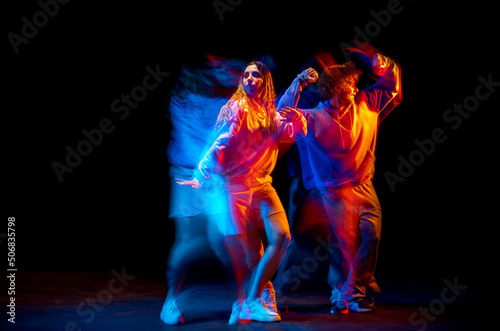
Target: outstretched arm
{"type": "Point", "coordinates": [292, 126]}
{"type": "Point", "coordinates": [215, 153]}
{"type": "Point", "coordinates": [194, 183]}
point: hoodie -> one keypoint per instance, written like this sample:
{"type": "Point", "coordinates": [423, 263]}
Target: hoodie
{"type": "Point", "coordinates": [339, 148]}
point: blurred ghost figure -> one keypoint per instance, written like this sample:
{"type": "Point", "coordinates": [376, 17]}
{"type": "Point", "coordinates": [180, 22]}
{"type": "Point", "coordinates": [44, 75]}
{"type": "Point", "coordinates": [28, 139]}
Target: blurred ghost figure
{"type": "Point", "coordinates": [193, 107]}
{"type": "Point", "coordinates": [338, 162]}
{"type": "Point", "coordinates": [245, 152]}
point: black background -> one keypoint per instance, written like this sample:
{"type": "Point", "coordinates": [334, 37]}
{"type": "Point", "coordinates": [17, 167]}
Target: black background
{"type": "Point", "coordinates": [111, 211]}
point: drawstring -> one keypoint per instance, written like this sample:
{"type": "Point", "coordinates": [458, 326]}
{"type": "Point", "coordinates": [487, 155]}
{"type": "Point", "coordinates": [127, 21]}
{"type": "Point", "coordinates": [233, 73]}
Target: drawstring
{"type": "Point", "coordinates": [340, 125]}
{"type": "Point", "coordinates": [340, 130]}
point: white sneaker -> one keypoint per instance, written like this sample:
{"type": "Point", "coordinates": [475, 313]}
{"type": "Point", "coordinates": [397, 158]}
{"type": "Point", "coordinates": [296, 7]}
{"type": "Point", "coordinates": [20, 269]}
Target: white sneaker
{"type": "Point", "coordinates": [259, 311]}
{"type": "Point", "coordinates": [361, 306]}
{"type": "Point", "coordinates": [269, 296]}
{"type": "Point", "coordinates": [334, 297]}
{"type": "Point", "coordinates": [235, 313]}
{"type": "Point", "coordinates": [170, 314]}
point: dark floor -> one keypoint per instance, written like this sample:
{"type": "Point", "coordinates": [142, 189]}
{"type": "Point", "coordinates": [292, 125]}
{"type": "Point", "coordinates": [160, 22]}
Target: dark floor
{"type": "Point", "coordinates": [130, 301]}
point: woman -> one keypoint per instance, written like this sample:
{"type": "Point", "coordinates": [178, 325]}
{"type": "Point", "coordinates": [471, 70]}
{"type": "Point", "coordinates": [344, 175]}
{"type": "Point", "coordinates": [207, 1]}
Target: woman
{"type": "Point", "coordinates": [245, 153]}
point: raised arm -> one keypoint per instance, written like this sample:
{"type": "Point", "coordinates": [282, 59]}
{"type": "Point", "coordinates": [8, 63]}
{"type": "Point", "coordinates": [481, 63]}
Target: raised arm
{"type": "Point", "coordinates": [292, 94]}
{"type": "Point", "coordinates": [387, 93]}
{"type": "Point", "coordinates": [287, 107]}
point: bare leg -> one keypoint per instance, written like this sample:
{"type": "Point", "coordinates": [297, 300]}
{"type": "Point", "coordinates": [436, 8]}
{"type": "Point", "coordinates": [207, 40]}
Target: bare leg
{"type": "Point", "coordinates": [278, 238]}
{"type": "Point", "coordinates": [244, 251]}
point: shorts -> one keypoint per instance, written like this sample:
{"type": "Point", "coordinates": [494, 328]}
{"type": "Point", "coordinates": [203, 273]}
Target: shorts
{"type": "Point", "coordinates": [249, 203]}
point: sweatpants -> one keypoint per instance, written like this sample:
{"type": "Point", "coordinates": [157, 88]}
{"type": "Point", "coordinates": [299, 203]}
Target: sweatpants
{"type": "Point", "coordinates": [356, 219]}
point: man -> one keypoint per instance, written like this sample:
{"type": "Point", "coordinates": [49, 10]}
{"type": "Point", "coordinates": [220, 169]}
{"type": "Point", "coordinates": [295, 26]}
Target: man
{"type": "Point", "coordinates": [338, 159]}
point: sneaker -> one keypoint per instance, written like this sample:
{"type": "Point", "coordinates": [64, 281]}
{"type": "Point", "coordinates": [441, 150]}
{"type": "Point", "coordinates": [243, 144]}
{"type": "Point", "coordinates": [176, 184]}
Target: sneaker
{"type": "Point", "coordinates": [259, 311]}
{"type": "Point", "coordinates": [334, 297]}
{"type": "Point", "coordinates": [370, 300]}
{"type": "Point", "coordinates": [339, 309]}
{"type": "Point", "coordinates": [361, 306]}
{"type": "Point", "coordinates": [244, 316]}
{"type": "Point", "coordinates": [170, 314]}
{"type": "Point", "coordinates": [269, 297]}
{"type": "Point", "coordinates": [235, 313]}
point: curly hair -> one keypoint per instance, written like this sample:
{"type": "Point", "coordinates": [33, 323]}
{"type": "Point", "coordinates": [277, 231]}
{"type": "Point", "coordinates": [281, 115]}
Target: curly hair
{"type": "Point", "coordinates": [267, 97]}
{"type": "Point", "coordinates": [337, 77]}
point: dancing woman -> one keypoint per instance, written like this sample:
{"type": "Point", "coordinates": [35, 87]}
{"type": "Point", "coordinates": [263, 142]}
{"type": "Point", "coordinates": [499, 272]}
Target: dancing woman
{"type": "Point", "coordinates": [250, 130]}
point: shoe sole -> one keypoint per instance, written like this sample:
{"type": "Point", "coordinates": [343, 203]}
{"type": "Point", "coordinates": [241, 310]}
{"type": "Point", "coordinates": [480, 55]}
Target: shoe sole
{"type": "Point", "coordinates": [267, 319]}
{"type": "Point", "coordinates": [362, 310]}
{"type": "Point", "coordinates": [336, 310]}
{"type": "Point", "coordinates": [346, 311]}
{"type": "Point", "coordinates": [177, 321]}
{"type": "Point", "coordinates": [240, 321]}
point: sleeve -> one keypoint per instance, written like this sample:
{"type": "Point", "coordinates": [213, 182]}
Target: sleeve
{"type": "Point", "coordinates": [292, 94]}
{"type": "Point", "coordinates": [291, 131]}
{"type": "Point", "coordinates": [215, 154]}
{"type": "Point", "coordinates": [387, 93]}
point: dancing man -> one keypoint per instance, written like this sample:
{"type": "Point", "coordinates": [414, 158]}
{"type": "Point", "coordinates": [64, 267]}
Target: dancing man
{"type": "Point", "coordinates": [338, 159]}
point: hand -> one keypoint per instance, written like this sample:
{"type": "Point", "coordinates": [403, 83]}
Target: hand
{"type": "Point", "coordinates": [312, 75]}
{"type": "Point", "coordinates": [371, 56]}
{"type": "Point", "coordinates": [290, 114]}
{"type": "Point", "coordinates": [194, 183]}
{"type": "Point", "coordinates": [379, 64]}
{"type": "Point", "coordinates": [309, 75]}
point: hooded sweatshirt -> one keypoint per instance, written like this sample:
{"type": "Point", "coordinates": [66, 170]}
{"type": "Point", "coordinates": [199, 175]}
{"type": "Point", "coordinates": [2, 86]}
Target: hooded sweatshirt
{"type": "Point", "coordinates": [247, 144]}
{"type": "Point", "coordinates": [339, 148]}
